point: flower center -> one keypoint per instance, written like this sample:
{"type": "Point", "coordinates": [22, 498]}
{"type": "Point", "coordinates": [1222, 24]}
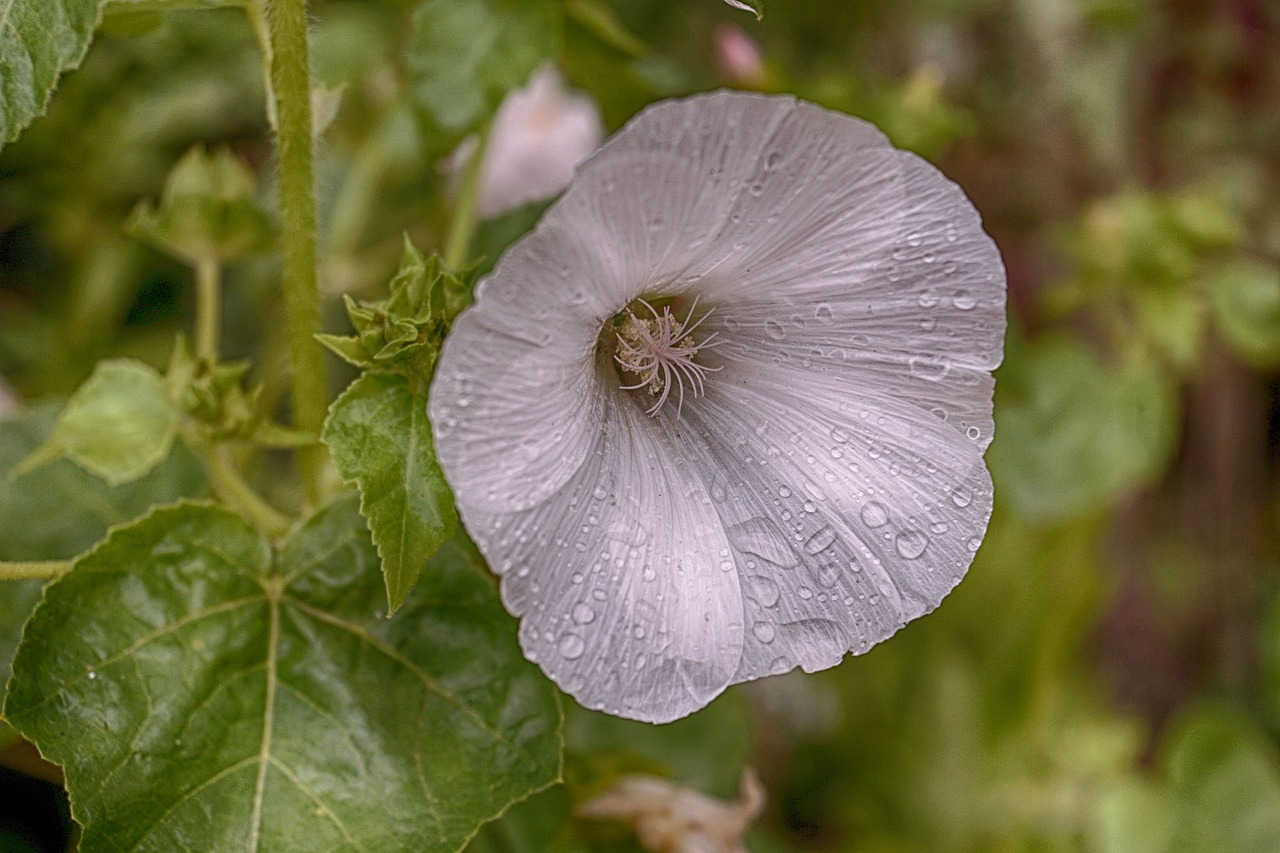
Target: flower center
{"type": "Point", "coordinates": [655, 352]}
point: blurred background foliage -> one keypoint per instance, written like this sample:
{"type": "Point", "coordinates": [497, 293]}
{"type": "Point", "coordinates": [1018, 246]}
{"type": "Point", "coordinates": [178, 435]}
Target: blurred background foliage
{"type": "Point", "coordinates": [1106, 679]}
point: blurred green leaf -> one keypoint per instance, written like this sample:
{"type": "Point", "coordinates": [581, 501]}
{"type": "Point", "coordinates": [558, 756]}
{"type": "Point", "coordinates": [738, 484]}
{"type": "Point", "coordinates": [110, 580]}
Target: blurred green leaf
{"type": "Point", "coordinates": [1134, 817]}
{"type": "Point", "coordinates": [60, 510]}
{"type": "Point", "coordinates": [1075, 434]}
{"type": "Point", "coordinates": [380, 438]}
{"type": "Point", "coordinates": [202, 693]}
{"type": "Point", "coordinates": [119, 424]}
{"type": "Point", "coordinates": [39, 39]}
{"type": "Point", "coordinates": [536, 825]}
{"type": "Point", "coordinates": [1246, 306]}
{"type": "Point", "coordinates": [1226, 780]}
{"type": "Point", "coordinates": [207, 210]}
{"type": "Point", "coordinates": [465, 55]}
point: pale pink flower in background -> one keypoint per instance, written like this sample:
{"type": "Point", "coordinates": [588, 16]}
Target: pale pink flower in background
{"type": "Point", "coordinates": [670, 818]}
{"type": "Point", "coordinates": [540, 133]}
{"type": "Point", "coordinates": [738, 55]}
{"type": "Point", "coordinates": [722, 412]}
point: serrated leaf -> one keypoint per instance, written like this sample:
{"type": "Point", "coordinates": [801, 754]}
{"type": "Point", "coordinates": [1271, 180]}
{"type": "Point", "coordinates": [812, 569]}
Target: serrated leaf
{"type": "Point", "coordinates": [39, 39]}
{"type": "Point", "coordinates": [1074, 433]}
{"type": "Point", "coordinates": [465, 55]}
{"type": "Point", "coordinates": [380, 438]}
{"type": "Point", "coordinates": [119, 424]}
{"type": "Point", "coordinates": [202, 693]}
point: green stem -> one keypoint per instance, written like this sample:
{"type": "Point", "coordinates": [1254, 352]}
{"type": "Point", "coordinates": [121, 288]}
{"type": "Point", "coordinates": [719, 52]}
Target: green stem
{"type": "Point", "coordinates": [36, 570]}
{"type": "Point", "coordinates": [257, 13]}
{"type": "Point", "coordinates": [232, 490]}
{"type": "Point", "coordinates": [290, 76]}
{"type": "Point", "coordinates": [208, 309]}
{"type": "Point", "coordinates": [463, 226]}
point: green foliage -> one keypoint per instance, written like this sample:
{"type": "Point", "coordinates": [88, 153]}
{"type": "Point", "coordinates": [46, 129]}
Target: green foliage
{"type": "Point", "coordinates": [1077, 434]}
{"type": "Point", "coordinates": [212, 694]}
{"type": "Point", "coordinates": [465, 55]}
{"type": "Point", "coordinates": [380, 438]}
{"type": "Point", "coordinates": [39, 39]}
{"type": "Point", "coordinates": [119, 424]}
{"type": "Point", "coordinates": [1246, 307]}
{"type": "Point", "coordinates": [207, 211]}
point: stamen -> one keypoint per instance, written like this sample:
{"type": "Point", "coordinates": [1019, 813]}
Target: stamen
{"type": "Point", "coordinates": [660, 351]}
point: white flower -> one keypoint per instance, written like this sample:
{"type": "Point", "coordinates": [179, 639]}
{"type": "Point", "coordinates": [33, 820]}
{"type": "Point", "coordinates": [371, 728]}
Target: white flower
{"type": "Point", "coordinates": [830, 310]}
{"type": "Point", "coordinates": [540, 133]}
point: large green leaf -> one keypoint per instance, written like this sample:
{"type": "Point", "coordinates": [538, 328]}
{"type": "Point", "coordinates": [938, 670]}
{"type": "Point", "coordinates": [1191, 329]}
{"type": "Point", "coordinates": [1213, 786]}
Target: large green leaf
{"type": "Point", "coordinates": [203, 693]}
{"type": "Point", "coordinates": [39, 39]}
{"type": "Point", "coordinates": [465, 55]}
{"type": "Point", "coordinates": [379, 435]}
{"type": "Point", "coordinates": [1074, 434]}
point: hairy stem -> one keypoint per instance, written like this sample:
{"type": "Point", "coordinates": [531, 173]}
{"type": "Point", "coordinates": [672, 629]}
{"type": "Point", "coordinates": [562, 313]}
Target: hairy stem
{"type": "Point", "coordinates": [463, 225]}
{"type": "Point", "coordinates": [208, 309]}
{"type": "Point", "coordinates": [232, 490]}
{"type": "Point", "coordinates": [290, 77]}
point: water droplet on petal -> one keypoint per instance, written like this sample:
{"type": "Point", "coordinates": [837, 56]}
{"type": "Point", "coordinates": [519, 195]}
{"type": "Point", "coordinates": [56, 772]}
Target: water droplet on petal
{"type": "Point", "coordinates": [762, 590]}
{"type": "Point", "coordinates": [583, 614]}
{"type": "Point", "coordinates": [819, 541]}
{"type": "Point", "coordinates": [963, 300]}
{"type": "Point", "coordinates": [571, 647]}
{"type": "Point", "coordinates": [780, 665]}
{"type": "Point", "coordinates": [763, 631]}
{"type": "Point", "coordinates": [774, 330]}
{"type": "Point", "coordinates": [762, 538]}
{"type": "Point", "coordinates": [874, 514]}
{"type": "Point", "coordinates": [823, 313]}
{"type": "Point", "coordinates": [911, 543]}
{"type": "Point", "coordinates": [961, 496]}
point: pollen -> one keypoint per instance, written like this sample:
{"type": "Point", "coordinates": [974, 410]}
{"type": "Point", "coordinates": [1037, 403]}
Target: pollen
{"type": "Point", "coordinates": [659, 351]}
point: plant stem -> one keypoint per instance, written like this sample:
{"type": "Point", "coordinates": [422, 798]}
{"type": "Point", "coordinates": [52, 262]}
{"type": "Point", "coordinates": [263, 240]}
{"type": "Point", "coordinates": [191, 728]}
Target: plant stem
{"type": "Point", "coordinates": [208, 309]}
{"type": "Point", "coordinates": [290, 77]}
{"type": "Point", "coordinates": [463, 226]}
{"type": "Point", "coordinates": [231, 488]}
{"type": "Point", "coordinates": [36, 570]}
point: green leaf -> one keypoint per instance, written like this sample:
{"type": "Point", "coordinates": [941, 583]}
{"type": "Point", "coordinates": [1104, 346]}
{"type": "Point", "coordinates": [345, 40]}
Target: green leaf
{"type": "Point", "coordinates": [39, 39]}
{"type": "Point", "coordinates": [202, 693]}
{"type": "Point", "coordinates": [465, 55]}
{"type": "Point", "coordinates": [1246, 307]}
{"type": "Point", "coordinates": [1226, 778]}
{"type": "Point", "coordinates": [119, 424]}
{"type": "Point", "coordinates": [380, 438]}
{"type": "Point", "coordinates": [1074, 434]}
{"type": "Point", "coordinates": [61, 510]}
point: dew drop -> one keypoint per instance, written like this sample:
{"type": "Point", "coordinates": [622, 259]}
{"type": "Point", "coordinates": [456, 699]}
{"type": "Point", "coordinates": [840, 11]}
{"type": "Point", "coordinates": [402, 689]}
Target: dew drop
{"type": "Point", "coordinates": [571, 647]}
{"type": "Point", "coordinates": [779, 666]}
{"type": "Point", "coordinates": [973, 543]}
{"type": "Point", "coordinates": [961, 496]}
{"type": "Point", "coordinates": [974, 433]}
{"type": "Point", "coordinates": [771, 162]}
{"type": "Point", "coordinates": [774, 330]}
{"type": "Point", "coordinates": [819, 541]}
{"type": "Point", "coordinates": [805, 593]}
{"type": "Point", "coordinates": [874, 514]}
{"type": "Point", "coordinates": [963, 300]}
{"type": "Point", "coordinates": [762, 590]}
{"type": "Point", "coordinates": [928, 299]}
{"type": "Point", "coordinates": [761, 537]}
{"type": "Point", "coordinates": [911, 543]}
{"type": "Point", "coordinates": [763, 631]}
{"type": "Point", "coordinates": [824, 314]}
{"type": "Point", "coordinates": [828, 575]}
{"type": "Point", "coordinates": [757, 189]}
{"type": "Point", "coordinates": [583, 614]}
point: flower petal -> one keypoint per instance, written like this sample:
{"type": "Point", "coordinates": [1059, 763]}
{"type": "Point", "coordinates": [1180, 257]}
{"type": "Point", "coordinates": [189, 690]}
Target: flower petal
{"type": "Point", "coordinates": [623, 579]}
{"type": "Point", "coordinates": [847, 517]}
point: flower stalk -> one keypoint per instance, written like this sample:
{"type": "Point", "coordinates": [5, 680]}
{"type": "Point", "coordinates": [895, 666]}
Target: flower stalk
{"type": "Point", "coordinates": [463, 225]}
{"type": "Point", "coordinates": [290, 77]}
